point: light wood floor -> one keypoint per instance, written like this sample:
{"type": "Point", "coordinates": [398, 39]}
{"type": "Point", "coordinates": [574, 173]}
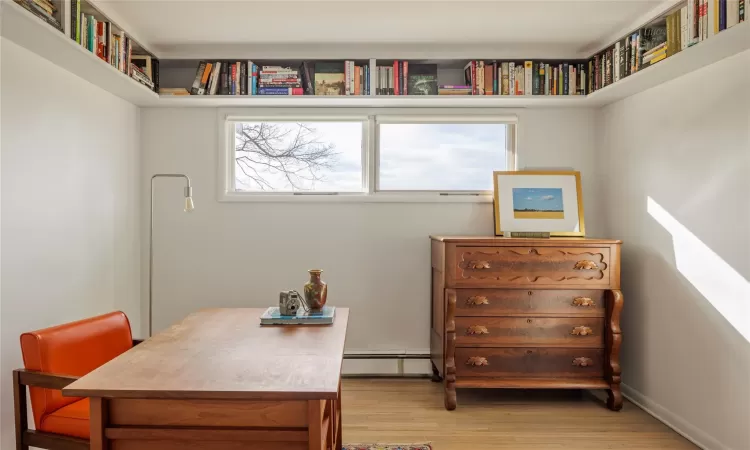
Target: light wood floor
{"type": "Point", "coordinates": [409, 411]}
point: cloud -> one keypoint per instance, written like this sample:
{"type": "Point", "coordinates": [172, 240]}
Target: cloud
{"type": "Point", "coordinates": [548, 197]}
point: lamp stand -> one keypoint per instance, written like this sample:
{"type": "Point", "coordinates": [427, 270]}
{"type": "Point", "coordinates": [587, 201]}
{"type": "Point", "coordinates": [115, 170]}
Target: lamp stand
{"type": "Point", "coordinates": [188, 208]}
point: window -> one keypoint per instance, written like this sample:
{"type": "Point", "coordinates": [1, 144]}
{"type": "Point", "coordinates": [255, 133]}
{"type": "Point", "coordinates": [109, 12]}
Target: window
{"type": "Point", "coordinates": [299, 156]}
{"type": "Point", "coordinates": [364, 156]}
{"type": "Point", "coordinates": [440, 156]}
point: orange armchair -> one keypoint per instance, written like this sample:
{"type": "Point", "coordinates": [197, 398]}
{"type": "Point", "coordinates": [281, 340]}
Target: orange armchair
{"type": "Point", "coordinates": [53, 358]}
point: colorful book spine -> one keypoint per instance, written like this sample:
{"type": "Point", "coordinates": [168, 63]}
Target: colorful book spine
{"type": "Point", "coordinates": [280, 91]}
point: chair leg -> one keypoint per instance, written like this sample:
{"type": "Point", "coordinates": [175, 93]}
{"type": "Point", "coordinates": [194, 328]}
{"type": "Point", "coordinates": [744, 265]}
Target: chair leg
{"type": "Point", "coordinates": [21, 413]}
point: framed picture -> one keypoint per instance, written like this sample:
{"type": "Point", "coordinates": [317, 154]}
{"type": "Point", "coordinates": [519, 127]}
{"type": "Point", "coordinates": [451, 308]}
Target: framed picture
{"type": "Point", "coordinates": [538, 201]}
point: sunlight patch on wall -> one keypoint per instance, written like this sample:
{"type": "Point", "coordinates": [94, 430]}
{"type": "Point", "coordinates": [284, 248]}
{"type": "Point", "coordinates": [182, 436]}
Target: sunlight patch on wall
{"type": "Point", "coordinates": [717, 281]}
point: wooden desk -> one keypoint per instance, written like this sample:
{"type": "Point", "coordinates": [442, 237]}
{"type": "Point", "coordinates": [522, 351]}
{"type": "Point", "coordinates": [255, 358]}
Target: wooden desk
{"type": "Point", "coordinates": [219, 381]}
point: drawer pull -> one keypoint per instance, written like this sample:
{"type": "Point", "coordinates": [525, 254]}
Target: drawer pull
{"type": "Point", "coordinates": [477, 361]}
{"type": "Point", "coordinates": [582, 361]}
{"type": "Point", "coordinates": [476, 300]}
{"type": "Point", "coordinates": [581, 331]}
{"type": "Point", "coordinates": [583, 301]}
{"type": "Point", "coordinates": [585, 265]}
{"type": "Point", "coordinates": [479, 265]}
{"type": "Point", "coordinates": [477, 329]}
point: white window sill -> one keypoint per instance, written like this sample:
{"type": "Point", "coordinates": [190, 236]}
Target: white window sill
{"type": "Point", "coordinates": [421, 197]}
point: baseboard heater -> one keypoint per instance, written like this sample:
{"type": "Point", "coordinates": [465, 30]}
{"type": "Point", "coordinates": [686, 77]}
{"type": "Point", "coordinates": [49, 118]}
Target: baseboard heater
{"type": "Point", "coordinates": [399, 357]}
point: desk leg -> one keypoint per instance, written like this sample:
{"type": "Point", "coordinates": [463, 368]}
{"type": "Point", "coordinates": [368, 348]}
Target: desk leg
{"type": "Point", "coordinates": [338, 443]}
{"type": "Point", "coordinates": [98, 422]}
{"type": "Point", "coordinates": [314, 425]}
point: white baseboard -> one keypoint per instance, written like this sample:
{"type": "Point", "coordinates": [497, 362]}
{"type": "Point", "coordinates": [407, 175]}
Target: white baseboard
{"type": "Point", "coordinates": [672, 420]}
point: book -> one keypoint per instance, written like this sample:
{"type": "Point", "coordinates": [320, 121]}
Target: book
{"type": "Point", "coordinates": [528, 71]}
{"type": "Point", "coordinates": [280, 91]}
{"type": "Point", "coordinates": [195, 89]}
{"type": "Point", "coordinates": [733, 13]}
{"type": "Point", "coordinates": [422, 79]}
{"type": "Point", "coordinates": [512, 78]}
{"type": "Point", "coordinates": [520, 79]}
{"type": "Point", "coordinates": [489, 79]}
{"type": "Point", "coordinates": [329, 78]}
{"type": "Point", "coordinates": [324, 316]}
{"type": "Point", "coordinates": [741, 10]}
{"type": "Point", "coordinates": [40, 12]}
{"type": "Point", "coordinates": [173, 91]}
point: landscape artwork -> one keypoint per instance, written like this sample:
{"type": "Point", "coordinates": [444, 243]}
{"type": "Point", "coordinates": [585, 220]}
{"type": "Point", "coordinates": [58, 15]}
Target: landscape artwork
{"type": "Point", "coordinates": [538, 203]}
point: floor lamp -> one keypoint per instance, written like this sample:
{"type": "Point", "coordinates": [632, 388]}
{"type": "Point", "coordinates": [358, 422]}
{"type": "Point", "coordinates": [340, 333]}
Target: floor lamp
{"type": "Point", "coordinates": [188, 207]}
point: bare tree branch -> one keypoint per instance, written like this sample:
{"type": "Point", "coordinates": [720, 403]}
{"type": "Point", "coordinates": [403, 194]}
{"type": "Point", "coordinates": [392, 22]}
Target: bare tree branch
{"type": "Point", "coordinates": [264, 149]}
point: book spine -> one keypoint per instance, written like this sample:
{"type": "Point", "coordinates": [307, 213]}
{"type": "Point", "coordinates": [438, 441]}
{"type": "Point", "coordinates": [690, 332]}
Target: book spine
{"type": "Point", "coordinates": [394, 80]}
{"type": "Point", "coordinates": [75, 8]}
{"type": "Point", "coordinates": [741, 9]}
{"type": "Point", "coordinates": [474, 87]}
{"type": "Point", "coordinates": [683, 28]}
{"type": "Point", "coordinates": [505, 78]}
{"type": "Point", "coordinates": [528, 81]}
{"type": "Point", "coordinates": [566, 79]}
{"type": "Point", "coordinates": [733, 13]}
{"type": "Point", "coordinates": [348, 78]}
{"type": "Point", "coordinates": [511, 78]}
{"type": "Point", "coordinates": [480, 77]}
{"type": "Point", "coordinates": [197, 80]}
{"type": "Point", "coordinates": [547, 78]}
{"type": "Point", "coordinates": [495, 79]}
{"type": "Point", "coordinates": [280, 91]}
{"type": "Point", "coordinates": [554, 81]}
{"type": "Point", "coordinates": [722, 15]}
{"type": "Point", "coordinates": [535, 78]}
{"type": "Point", "coordinates": [406, 77]}
{"type": "Point", "coordinates": [243, 65]}
{"type": "Point", "coordinates": [542, 79]}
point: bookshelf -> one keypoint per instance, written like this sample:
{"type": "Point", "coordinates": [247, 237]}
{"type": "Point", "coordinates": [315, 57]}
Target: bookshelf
{"type": "Point", "coordinates": [26, 30]}
{"type": "Point", "coordinates": [30, 32]}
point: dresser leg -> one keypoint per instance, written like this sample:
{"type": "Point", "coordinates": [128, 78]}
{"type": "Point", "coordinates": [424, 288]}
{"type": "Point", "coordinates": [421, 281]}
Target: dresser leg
{"type": "Point", "coordinates": [436, 378]}
{"type": "Point", "coordinates": [614, 398]}
{"type": "Point", "coordinates": [614, 341]}
{"type": "Point", "coordinates": [450, 351]}
{"type": "Point", "coordinates": [450, 394]}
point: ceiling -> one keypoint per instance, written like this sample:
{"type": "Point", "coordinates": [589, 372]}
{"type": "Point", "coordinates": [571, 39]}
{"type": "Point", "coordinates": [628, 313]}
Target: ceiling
{"type": "Point", "coordinates": [177, 26]}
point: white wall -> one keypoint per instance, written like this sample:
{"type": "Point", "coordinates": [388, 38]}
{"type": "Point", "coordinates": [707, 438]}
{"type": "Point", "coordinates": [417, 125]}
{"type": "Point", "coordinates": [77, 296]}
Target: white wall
{"type": "Point", "coordinates": [685, 145]}
{"type": "Point", "coordinates": [70, 211]}
{"type": "Point", "coordinates": [376, 256]}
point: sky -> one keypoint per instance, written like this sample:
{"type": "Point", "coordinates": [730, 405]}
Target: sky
{"type": "Point", "coordinates": [540, 199]}
{"type": "Point", "coordinates": [412, 157]}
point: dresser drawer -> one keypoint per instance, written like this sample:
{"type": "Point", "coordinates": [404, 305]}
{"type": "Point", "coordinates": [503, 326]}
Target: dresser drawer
{"type": "Point", "coordinates": [531, 266]}
{"type": "Point", "coordinates": [508, 302]}
{"type": "Point", "coordinates": [529, 362]}
{"type": "Point", "coordinates": [530, 331]}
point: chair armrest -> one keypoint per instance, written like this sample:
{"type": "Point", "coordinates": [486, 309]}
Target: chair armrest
{"type": "Point", "coordinates": [43, 380]}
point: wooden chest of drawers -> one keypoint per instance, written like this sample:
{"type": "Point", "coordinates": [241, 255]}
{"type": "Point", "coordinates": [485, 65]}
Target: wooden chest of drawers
{"type": "Point", "coordinates": [526, 313]}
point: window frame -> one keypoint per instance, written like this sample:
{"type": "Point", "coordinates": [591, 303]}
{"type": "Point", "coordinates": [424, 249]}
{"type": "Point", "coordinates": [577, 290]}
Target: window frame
{"type": "Point", "coordinates": [371, 119]}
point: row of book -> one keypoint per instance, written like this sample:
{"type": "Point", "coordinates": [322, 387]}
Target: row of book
{"type": "Point", "coordinates": [44, 9]}
{"type": "Point", "coordinates": [100, 38]}
{"type": "Point", "coordinates": [248, 78]}
{"type": "Point", "coordinates": [222, 78]}
{"type": "Point", "coordinates": [521, 78]}
{"type": "Point", "coordinates": [403, 78]}
{"type": "Point", "coordinates": [663, 38]}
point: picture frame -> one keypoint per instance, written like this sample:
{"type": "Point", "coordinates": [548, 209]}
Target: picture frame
{"type": "Point", "coordinates": [538, 202]}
